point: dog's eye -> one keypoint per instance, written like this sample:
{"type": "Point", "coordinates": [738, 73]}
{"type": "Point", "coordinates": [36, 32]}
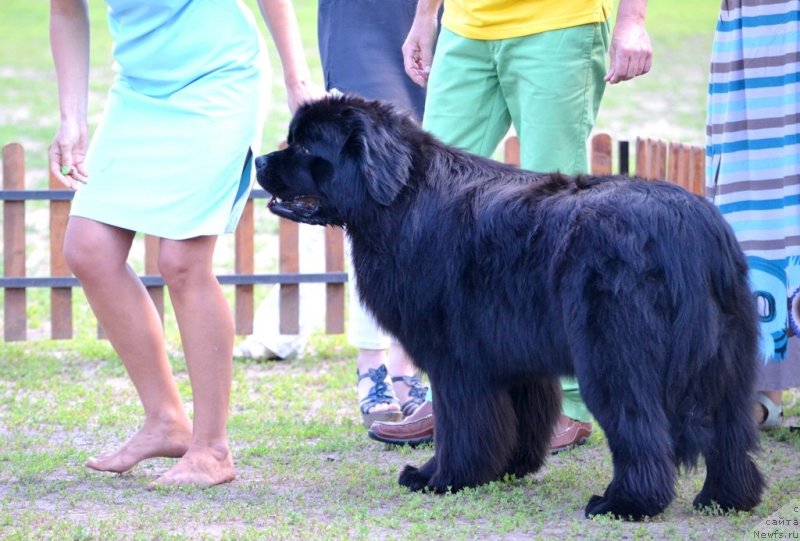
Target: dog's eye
{"type": "Point", "coordinates": [301, 149]}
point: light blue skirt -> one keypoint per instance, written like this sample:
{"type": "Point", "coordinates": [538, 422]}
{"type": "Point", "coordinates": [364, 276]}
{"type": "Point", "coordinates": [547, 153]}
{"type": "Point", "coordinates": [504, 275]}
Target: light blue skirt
{"type": "Point", "coordinates": [172, 155]}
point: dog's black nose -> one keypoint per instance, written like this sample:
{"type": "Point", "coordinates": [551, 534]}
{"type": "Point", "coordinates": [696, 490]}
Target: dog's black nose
{"type": "Point", "coordinates": [261, 162]}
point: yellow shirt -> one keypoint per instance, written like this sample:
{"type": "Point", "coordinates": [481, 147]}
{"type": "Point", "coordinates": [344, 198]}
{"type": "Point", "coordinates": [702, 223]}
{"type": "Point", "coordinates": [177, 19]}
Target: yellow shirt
{"type": "Point", "coordinates": [501, 19]}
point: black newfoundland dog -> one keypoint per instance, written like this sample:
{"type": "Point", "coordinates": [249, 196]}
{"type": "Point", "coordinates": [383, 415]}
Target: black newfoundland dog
{"type": "Point", "coordinates": [497, 281]}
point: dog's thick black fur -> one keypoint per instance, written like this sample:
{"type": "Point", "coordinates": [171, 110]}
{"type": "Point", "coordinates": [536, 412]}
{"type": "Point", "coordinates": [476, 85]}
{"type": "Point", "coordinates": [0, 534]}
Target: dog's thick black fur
{"type": "Point", "coordinates": [497, 281]}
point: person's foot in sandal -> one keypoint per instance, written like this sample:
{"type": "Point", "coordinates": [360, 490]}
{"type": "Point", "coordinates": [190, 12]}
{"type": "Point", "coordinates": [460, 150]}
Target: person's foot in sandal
{"type": "Point", "coordinates": [768, 410]}
{"type": "Point", "coordinates": [376, 396]}
{"type": "Point", "coordinates": [410, 392]}
{"type": "Point", "coordinates": [405, 379]}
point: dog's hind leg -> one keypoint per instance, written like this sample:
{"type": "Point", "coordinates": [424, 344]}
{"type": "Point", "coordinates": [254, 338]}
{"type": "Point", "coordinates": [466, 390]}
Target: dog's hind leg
{"type": "Point", "coordinates": [623, 393]}
{"type": "Point", "coordinates": [537, 405]}
{"type": "Point", "coordinates": [474, 440]}
{"type": "Point", "coordinates": [644, 471]}
{"type": "Point", "coordinates": [732, 477]}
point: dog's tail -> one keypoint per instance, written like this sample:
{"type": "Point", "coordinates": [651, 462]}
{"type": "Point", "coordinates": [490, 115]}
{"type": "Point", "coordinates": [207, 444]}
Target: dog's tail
{"type": "Point", "coordinates": [714, 340]}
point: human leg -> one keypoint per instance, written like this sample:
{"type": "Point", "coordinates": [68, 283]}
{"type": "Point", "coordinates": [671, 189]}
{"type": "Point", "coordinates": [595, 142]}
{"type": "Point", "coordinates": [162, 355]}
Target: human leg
{"type": "Point", "coordinates": [376, 395]}
{"type": "Point", "coordinates": [553, 84]}
{"type": "Point", "coordinates": [405, 380]}
{"type": "Point", "coordinates": [464, 106]}
{"type": "Point", "coordinates": [97, 253]}
{"type": "Point", "coordinates": [756, 189]}
{"type": "Point", "coordinates": [374, 71]}
{"type": "Point", "coordinates": [360, 49]}
{"type": "Point", "coordinates": [206, 328]}
{"type": "Point", "coordinates": [768, 409]}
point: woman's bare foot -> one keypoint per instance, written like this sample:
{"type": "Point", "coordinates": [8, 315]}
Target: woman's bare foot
{"type": "Point", "coordinates": [169, 440]}
{"type": "Point", "coordinates": [200, 467]}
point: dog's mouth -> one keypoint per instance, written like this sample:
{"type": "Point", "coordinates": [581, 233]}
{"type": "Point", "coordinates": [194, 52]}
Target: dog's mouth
{"type": "Point", "coordinates": [301, 208]}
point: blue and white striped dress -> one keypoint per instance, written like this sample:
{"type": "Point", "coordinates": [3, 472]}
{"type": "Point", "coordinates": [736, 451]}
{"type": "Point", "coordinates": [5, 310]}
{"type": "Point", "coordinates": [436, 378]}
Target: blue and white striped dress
{"type": "Point", "coordinates": [753, 163]}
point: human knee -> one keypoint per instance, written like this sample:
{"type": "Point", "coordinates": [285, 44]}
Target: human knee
{"type": "Point", "coordinates": [174, 268]}
{"type": "Point", "coordinates": [82, 255]}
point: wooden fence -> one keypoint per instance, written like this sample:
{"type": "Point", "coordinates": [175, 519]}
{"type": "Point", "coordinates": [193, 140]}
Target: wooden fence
{"type": "Point", "coordinates": [15, 282]}
{"type": "Point", "coordinates": [655, 159]}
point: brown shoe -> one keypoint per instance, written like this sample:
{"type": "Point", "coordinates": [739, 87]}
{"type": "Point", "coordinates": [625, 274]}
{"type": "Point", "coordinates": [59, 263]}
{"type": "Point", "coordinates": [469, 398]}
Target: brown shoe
{"type": "Point", "coordinates": [414, 430]}
{"type": "Point", "coordinates": [569, 433]}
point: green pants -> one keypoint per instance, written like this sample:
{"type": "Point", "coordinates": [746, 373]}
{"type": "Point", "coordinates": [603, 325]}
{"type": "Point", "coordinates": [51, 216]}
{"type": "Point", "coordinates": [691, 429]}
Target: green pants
{"type": "Point", "coordinates": [548, 85]}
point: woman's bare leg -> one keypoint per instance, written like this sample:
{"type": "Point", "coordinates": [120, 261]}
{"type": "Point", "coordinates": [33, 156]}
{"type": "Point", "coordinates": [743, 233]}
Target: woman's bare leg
{"type": "Point", "coordinates": [206, 327]}
{"type": "Point", "coordinates": [97, 255]}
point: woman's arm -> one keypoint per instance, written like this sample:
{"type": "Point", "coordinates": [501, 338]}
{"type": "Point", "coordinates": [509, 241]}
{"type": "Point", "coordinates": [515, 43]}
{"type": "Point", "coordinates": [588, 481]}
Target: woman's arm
{"type": "Point", "coordinates": [69, 43]}
{"type": "Point", "coordinates": [282, 23]}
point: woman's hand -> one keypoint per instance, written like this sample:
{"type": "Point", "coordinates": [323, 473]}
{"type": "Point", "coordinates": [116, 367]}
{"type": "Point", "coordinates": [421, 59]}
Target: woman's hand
{"type": "Point", "coordinates": [67, 154]}
{"type": "Point", "coordinates": [303, 92]}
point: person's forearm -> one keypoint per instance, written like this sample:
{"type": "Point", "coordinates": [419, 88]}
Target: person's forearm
{"type": "Point", "coordinates": [280, 18]}
{"type": "Point", "coordinates": [633, 10]}
{"type": "Point", "coordinates": [69, 43]}
{"type": "Point", "coordinates": [428, 8]}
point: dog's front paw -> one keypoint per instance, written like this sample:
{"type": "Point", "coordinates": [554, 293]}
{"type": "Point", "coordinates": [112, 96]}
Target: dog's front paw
{"type": "Point", "coordinates": [413, 478]}
{"type": "Point", "coordinates": [703, 500]}
{"type": "Point", "coordinates": [601, 505]}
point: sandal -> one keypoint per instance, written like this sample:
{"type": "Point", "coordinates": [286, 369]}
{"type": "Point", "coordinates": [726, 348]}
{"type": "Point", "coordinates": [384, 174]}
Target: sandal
{"type": "Point", "coordinates": [773, 413]}
{"type": "Point", "coordinates": [417, 393]}
{"type": "Point", "coordinates": [381, 392]}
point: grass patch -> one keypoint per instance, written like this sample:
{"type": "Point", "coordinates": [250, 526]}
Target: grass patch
{"type": "Point", "coordinates": [305, 467]}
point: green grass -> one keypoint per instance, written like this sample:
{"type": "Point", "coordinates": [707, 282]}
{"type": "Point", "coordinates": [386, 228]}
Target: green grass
{"type": "Point", "coordinates": [306, 469]}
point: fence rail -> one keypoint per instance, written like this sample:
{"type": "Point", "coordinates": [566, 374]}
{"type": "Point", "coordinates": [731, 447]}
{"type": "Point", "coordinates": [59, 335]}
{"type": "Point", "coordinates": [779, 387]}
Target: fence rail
{"type": "Point", "coordinates": [655, 159]}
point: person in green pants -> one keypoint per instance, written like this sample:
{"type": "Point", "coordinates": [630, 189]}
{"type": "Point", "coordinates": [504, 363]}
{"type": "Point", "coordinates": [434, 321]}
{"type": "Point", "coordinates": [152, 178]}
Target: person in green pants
{"type": "Point", "coordinates": [541, 66]}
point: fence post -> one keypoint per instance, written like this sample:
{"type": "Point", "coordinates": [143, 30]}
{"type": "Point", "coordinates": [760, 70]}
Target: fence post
{"type": "Point", "coordinates": [60, 297]}
{"type": "Point", "coordinates": [697, 171]}
{"type": "Point", "coordinates": [651, 159]}
{"type": "Point", "coordinates": [678, 165]}
{"type": "Point", "coordinates": [601, 163]}
{"type": "Point", "coordinates": [16, 318]}
{"type": "Point", "coordinates": [289, 262]}
{"type": "Point", "coordinates": [334, 293]}
{"type": "Point", "coordinates": [244, 264]}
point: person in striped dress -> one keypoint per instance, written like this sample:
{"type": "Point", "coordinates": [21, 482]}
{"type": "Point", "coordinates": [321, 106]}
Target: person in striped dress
{"type": "Point", "coordinates": [753, 172]}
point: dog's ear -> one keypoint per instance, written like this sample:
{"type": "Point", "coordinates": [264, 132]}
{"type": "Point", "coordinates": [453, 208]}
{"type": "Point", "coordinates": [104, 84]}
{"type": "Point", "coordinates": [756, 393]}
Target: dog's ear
{"type": "Point", "coordinates": [383, 159]}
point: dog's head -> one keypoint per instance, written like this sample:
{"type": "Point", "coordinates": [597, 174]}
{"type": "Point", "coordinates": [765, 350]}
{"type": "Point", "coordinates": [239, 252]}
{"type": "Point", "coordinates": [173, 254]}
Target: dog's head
{"type": "Point", "coordinates": [342, 153]}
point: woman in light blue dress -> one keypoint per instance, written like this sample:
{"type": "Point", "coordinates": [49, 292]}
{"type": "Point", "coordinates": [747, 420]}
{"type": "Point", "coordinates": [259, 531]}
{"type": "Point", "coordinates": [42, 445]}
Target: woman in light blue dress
{"type": "Point", "coordinates": [172, 157]}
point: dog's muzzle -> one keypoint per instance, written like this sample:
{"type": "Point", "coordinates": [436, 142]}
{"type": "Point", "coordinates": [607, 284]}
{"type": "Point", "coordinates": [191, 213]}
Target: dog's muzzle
{"type": "Point", "coordinates": [304, 208]}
